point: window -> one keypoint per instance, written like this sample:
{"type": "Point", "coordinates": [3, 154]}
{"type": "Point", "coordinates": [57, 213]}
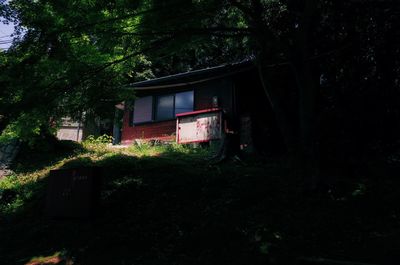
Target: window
{"type": "Point", "coordinates": [183, 102]}
{"type": "Point", "coordinates": [165, 107]}
{"type": "Point", "coordinates": [143, 110]}
{"type": "Point", "coordinates": [169, 105]}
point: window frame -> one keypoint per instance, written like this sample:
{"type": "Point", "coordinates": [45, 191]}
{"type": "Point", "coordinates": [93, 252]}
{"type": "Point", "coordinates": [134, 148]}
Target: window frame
{"type": "Point", "coordinates": [154, 107]}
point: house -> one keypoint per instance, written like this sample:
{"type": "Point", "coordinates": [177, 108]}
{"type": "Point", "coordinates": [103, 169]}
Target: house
{"type": "Point", "coordinates": [70, 130]}
{"type": "Point", "coordinates": [78, 131]}
{"type": "Point", "coordinates": [232, 90]}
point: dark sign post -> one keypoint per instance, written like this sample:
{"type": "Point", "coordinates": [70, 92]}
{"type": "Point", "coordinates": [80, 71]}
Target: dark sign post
{"type": "Point", "coordinates": [73, 193]}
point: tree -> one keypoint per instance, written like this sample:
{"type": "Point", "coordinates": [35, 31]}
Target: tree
{"type": "Point", "coordinates": [324, 64]}
{"type": "Point", "coordinates": [340, 57]}
{"type": "Point", "coordinates": [63, 64]}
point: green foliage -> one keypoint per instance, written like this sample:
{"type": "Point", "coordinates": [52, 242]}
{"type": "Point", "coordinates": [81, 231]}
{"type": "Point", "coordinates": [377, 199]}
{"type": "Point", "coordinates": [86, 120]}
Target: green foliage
{"type": "Point", "coordinates": [78, 56]}
{"type": "Point", "coordinates": [171, 149]}
{"type": "Point", "coordinates": [10, 182]}
{"type": "Point", "coordinates": [99, 144]}
{"type": "Point", "coordinates": [33, 165]}
{"type": "Point", "coordinates": [144, 148]}
{"type": "Point", "coordinates": [27, 127]}
{"type": "Point", "coordinates": [360, 190]}
{"type": "Point", "coordinates": [254, 213]}
{"type": "Point", "coordinates": [14, 194]}
{"type": "Point", "coordinates": [191, 150]}
{"type": "Point", "coordinates": [103, 139]}
{"type": "Point", "coordinates": [7, 136]}
{"type": "Point", "coordinates": [61, 68]}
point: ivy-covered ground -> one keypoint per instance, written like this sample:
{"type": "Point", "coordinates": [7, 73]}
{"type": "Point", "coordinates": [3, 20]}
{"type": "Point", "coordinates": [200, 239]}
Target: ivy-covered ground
{"type": "Point", "coordinates": [168, 205]}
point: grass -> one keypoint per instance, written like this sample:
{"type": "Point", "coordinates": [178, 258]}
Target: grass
{"type": "Point", "coordinates": [168, 205]}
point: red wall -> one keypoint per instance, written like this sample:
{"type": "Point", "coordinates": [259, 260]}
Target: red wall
{"type": "Point", "coordinates": [159, 130]}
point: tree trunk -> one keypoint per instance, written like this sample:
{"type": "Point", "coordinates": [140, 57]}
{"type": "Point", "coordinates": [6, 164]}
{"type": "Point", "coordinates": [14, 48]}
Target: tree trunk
{"type": "Point", "coordinates": [267, 41]}
{"type": "Point", "coordinates": [299, 131]}
{"type": "Point", "coordinates": [276, 101]}
{"type": "Point", "coordinates": [307, 84]}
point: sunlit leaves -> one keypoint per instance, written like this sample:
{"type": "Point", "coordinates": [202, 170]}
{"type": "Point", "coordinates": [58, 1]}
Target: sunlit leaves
{"type": "Point", "coordinates": [75, 55]}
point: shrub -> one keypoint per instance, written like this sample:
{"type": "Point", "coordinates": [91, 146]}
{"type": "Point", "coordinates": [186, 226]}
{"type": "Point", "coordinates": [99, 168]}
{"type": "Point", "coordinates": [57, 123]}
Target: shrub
{"type": "Point", "coordinates": [28, 127]}
{"type": "Point", "coordinates": [98, 144]}
{"type": "Point", "coordinates": [144, 148]}
{"type": "Point", "coordinates": [7, 136]}
{"type": "Point", "coordinates": [103, 139]}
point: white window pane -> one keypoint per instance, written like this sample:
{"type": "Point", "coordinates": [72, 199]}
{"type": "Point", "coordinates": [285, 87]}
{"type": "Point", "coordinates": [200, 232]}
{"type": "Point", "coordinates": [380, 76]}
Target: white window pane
{"type": "Point", "coordinates": [143, 110]}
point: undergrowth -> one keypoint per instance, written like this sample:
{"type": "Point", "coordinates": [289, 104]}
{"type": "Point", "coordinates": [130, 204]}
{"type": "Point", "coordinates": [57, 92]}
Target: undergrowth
{"type": "Point", "coordinates": [165, 204]}
{"type": "Point", "coordinates": [32, 167]}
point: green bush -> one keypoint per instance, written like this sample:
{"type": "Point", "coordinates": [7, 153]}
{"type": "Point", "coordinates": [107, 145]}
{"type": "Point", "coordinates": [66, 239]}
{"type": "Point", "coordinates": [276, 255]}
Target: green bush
{"type": "Point", "coordinates": [144, 148]}
{"type": "Point", "coordinates": [7, 136]}
{"type": "Point", "coordinates": [10, 190]}
{"type": "Point", "coordinates": [173, 149]}
{"type": "Point", "coordinates": [98, 144]}
{"type": "Point", "coordinates": [29, 127]}
{"type": "Point", "coordinates": [103, 139]}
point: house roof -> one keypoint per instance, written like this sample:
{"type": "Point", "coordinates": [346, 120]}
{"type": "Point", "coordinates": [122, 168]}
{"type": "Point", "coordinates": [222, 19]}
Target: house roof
{"type": "Point", "coordinates": [193, 77]}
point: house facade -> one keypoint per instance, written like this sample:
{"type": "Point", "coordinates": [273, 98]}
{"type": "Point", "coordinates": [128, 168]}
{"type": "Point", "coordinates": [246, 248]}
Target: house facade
{"type": "Point", "coordinates": [233, 89]}
{"type": "Point", "coordinates": [70, 130]}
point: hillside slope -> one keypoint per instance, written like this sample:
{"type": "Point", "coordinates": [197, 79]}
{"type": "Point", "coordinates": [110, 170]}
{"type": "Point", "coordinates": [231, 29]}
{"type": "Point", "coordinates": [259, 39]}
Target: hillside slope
{"type": "Point", "coordinates": [168, 205]}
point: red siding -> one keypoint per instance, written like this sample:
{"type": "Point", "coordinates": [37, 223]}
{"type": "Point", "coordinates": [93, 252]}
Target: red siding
{"type": "Point", "coordinates": [159, 130]}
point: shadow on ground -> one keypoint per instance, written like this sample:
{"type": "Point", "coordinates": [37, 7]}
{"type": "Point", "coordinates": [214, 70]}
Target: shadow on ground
{"type": "Point", "coordinates": [177, 209]}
